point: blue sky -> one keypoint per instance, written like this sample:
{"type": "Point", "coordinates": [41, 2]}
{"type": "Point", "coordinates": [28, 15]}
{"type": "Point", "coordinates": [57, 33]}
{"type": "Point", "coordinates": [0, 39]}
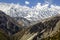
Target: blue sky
{"type": "Point", "coordinates": [31, 3]}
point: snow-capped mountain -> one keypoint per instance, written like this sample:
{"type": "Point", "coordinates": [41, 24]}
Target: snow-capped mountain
{"type": "Point", "coordinates": [35, 13]}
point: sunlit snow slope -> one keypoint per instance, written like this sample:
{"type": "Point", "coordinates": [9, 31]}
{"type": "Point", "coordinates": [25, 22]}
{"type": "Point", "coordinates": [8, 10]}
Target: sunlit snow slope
{"type": "Point", "coordinates": [33, 14]}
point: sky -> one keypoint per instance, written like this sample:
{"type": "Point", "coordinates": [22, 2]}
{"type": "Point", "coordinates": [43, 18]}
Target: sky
{"type": "Point", "coordinates": [31, 3]}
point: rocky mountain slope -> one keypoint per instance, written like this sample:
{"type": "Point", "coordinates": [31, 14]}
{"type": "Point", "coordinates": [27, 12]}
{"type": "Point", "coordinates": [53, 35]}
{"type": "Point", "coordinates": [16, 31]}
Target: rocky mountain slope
{"type": "Point", "coordinates": [48, 29]}
{"type": "Point", "coordinates": [22, 21]}
{"type": "Point", "coordinates": [51, 30]}
{"type": "Point", "coordinates": [8, 24]}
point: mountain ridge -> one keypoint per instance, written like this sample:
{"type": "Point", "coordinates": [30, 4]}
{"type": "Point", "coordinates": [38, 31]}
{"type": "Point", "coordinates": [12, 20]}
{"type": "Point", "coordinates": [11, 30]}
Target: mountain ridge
{"type": "Point", "coordinates": [32, 14]}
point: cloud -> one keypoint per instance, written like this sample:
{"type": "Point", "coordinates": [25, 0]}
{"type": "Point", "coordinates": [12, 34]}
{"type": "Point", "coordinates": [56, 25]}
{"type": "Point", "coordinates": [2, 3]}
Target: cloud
{"type": "Point", "coordinates": [26, 2]}
{"type": "Point", "coordinates": [48, 1]}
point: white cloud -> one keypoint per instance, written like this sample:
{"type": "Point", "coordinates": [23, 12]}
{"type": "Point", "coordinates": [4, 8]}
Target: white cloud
{"type": "Point", "coordinates": [48, 1]}
{"type": "Point", "coordinates": [26, 2]}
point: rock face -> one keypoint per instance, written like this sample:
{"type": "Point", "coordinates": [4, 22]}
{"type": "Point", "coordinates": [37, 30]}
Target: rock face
{"type": "Point", "coordinates": [9, 25]}
{"type": "Point", "coordinates": [43, 30]}
{"type": "Point", "coordinates": [22, 21]}
{"type": "Point", "coordinates": [52, 27]}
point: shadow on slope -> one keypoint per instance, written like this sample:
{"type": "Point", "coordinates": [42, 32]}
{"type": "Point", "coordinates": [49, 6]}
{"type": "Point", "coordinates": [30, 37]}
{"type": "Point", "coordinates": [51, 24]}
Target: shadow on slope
{"type": "Point", "coordinates": [8, 24]}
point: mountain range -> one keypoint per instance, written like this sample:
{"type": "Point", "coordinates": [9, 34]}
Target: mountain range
{"type": "Point", "coordinates": [23, 23]}
{"type": "Point", "coordinates": [33, 14]}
